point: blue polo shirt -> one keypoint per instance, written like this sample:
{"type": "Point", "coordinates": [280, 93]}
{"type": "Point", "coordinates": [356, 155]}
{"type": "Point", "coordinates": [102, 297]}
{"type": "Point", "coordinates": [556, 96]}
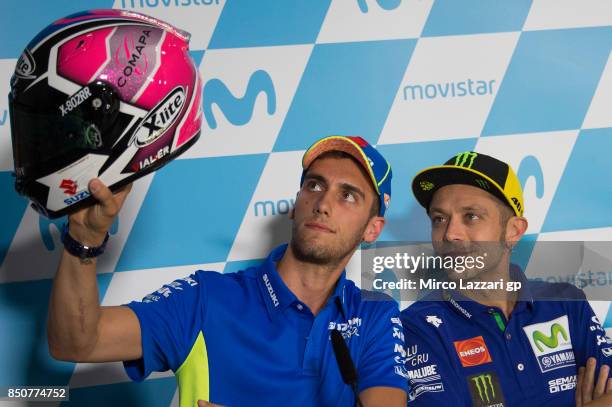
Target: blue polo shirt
{"type": "Point", "coordinates": [463, 353]}
{"type": "Point", "coordinates": [245, 339]}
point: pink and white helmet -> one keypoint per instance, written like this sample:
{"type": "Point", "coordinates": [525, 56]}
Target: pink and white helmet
{"type": "Point", "coordinates": [103, 93]}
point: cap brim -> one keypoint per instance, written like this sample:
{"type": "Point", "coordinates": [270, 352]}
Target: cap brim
{"type": "Point", "coordinates": [339, 143]}
{"type": "Point", "coordinates": [428, 181]}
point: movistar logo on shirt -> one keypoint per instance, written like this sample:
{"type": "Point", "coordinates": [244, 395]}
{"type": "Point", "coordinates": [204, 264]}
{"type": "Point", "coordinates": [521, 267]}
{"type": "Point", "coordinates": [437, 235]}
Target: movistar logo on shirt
{"type": "Point", "coordinates": [551, 343]}
{"type": "Point", "coordinates": [266, 280]}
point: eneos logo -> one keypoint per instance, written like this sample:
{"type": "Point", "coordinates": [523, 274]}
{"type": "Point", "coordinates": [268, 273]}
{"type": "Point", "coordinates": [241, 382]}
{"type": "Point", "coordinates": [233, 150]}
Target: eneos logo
{"type": "Point", "coordinates": [473, 352]}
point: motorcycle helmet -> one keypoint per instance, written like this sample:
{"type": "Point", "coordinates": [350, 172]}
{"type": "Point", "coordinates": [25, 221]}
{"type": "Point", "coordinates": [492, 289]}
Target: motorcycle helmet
{"type": "Point", "coordinates": [103, 93]}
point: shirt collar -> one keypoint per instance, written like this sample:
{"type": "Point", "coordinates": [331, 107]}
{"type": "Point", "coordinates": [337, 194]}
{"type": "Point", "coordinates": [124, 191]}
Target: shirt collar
{"type": "Point", "coordinates": [278, 296]}
{"type": "Point", "coordinates": [341, 292]}
{"type": "Point", "coordinates": [466, 307]}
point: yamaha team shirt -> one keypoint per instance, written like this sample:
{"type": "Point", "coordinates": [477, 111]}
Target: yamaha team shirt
{"type": "Point", "coordinates": [245, 339]}
{"type": "Point", "coordinates": [464, 353]}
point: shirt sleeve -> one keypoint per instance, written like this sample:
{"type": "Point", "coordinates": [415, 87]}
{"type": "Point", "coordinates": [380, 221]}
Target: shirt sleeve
{"type": "Point", "coordinates": [432, 380]}
{"type": "Point", "coordinates": [170, 319]}
{"type": "Point", "coordinates": [381, 363]}
{"type": "Point", "coordinates": [592, 338]}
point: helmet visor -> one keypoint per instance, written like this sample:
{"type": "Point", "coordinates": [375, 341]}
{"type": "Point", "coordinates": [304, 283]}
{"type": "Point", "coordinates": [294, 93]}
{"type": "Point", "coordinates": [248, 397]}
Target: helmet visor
{"type": "Point", "coordinates": [46, 141]}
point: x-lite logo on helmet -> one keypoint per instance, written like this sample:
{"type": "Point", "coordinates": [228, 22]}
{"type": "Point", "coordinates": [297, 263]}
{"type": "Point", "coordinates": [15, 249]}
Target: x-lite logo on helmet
{"type": "Point", "coordinates": [159, 119]}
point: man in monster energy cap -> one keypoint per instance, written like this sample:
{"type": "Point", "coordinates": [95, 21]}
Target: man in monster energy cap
{"type": "Point", "coordinates": [494, 347]}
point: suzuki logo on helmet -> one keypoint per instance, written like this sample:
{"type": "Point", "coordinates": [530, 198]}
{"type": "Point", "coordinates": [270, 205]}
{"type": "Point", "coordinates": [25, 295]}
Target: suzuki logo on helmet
{"type": "Point", "coordinates": [160, 118]}
{"type": "Point", "coordinates": [69, 186]}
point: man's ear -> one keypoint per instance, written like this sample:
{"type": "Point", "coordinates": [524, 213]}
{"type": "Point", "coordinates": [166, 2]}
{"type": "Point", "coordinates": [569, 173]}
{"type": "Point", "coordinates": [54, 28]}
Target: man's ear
{"type": "Point", "coordinates": [373, 229]}
{"type": "Point", "coordinates": [516, 228]}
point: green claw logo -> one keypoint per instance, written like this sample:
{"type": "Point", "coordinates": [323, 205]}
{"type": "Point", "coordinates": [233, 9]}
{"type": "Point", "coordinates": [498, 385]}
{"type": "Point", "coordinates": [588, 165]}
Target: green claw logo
{"type": "Point", "coordinates": [483, 384]}
{"type": "Point", "coordinates": [462, 159]}
{"type": "Point", "coordinates": [551, 341]}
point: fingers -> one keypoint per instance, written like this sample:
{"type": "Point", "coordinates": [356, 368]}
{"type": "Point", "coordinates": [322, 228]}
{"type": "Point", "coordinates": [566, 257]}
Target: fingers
{"type": "Point", "coordinates": [579, 383]}
{"type": "Point", "coordinates": [204, 403]}
{"type": "Point", "coordinates": [121, 194]}
{"type": "Point", "coordinates": [600, 386]}
{"type": "Point", "coordinates": [104, 196]}
{"type": "Point", "coordinates": [609, 387]}
{"type": "Point", "coordinates": [589, 379]}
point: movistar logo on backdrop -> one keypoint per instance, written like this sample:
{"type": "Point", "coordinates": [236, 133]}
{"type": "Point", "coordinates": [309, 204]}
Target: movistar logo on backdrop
{"type": "Point", "coordinates": [530, 167]}
{"type": "Point", "coordinates": [551, 343]}
{"type": "Point", "coordinates": [237, 110]}
{"type": "Point", "coordinates": [167, 3]}
{"type": "Point", "coordinates": [384, 4]}
{"type": "Point", "coordinates": [272, 208]}
{"type": "Point", "coordinates": [3, 117]}
{"type": "Point", "coordinates": [448, 90]}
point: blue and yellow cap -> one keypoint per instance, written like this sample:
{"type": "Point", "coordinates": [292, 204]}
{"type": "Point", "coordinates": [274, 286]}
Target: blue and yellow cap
{"type": "Point", "coordinates": [372, 161]}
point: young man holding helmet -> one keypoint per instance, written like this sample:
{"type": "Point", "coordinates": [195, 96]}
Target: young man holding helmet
{"type": "Point", "coordinates": [110, 95]}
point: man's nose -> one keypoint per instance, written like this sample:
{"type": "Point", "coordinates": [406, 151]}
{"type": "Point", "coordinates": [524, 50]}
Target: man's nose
{"type": "Point", "coordinates": [454, 230]}
{"type": "Point", "coordinates": [323, 204]}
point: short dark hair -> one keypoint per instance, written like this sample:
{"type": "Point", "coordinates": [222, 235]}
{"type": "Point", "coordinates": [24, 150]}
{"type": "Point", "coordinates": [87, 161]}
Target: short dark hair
{"type": "Point", "coordinates": [375, 207]}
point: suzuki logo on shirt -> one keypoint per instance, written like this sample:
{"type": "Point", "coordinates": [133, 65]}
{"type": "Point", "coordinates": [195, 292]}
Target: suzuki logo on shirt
{"type": "Point", "coordinates": [348, 328]}
{"type": "Point", "coordinates": [266, 280]}
{"type": "Point", "coordinates": [551, 343]}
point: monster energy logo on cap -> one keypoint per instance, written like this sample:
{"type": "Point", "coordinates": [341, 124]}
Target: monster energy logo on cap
{"type": "Point", "coordinates": [485, 390]}
{"type": "Point", "coordinates": [466, 159]}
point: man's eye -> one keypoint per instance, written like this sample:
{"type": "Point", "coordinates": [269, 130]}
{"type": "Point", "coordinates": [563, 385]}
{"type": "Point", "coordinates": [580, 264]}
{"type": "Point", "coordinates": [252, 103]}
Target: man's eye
{"type": "Point", "coordinates": [472, 216]}
{"type": "Point", "coordinates": [314, 186]}
{"type": "Point", "coordinates": [348, 196]}
{"type": "Point", "coordinates": [437, 219]}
